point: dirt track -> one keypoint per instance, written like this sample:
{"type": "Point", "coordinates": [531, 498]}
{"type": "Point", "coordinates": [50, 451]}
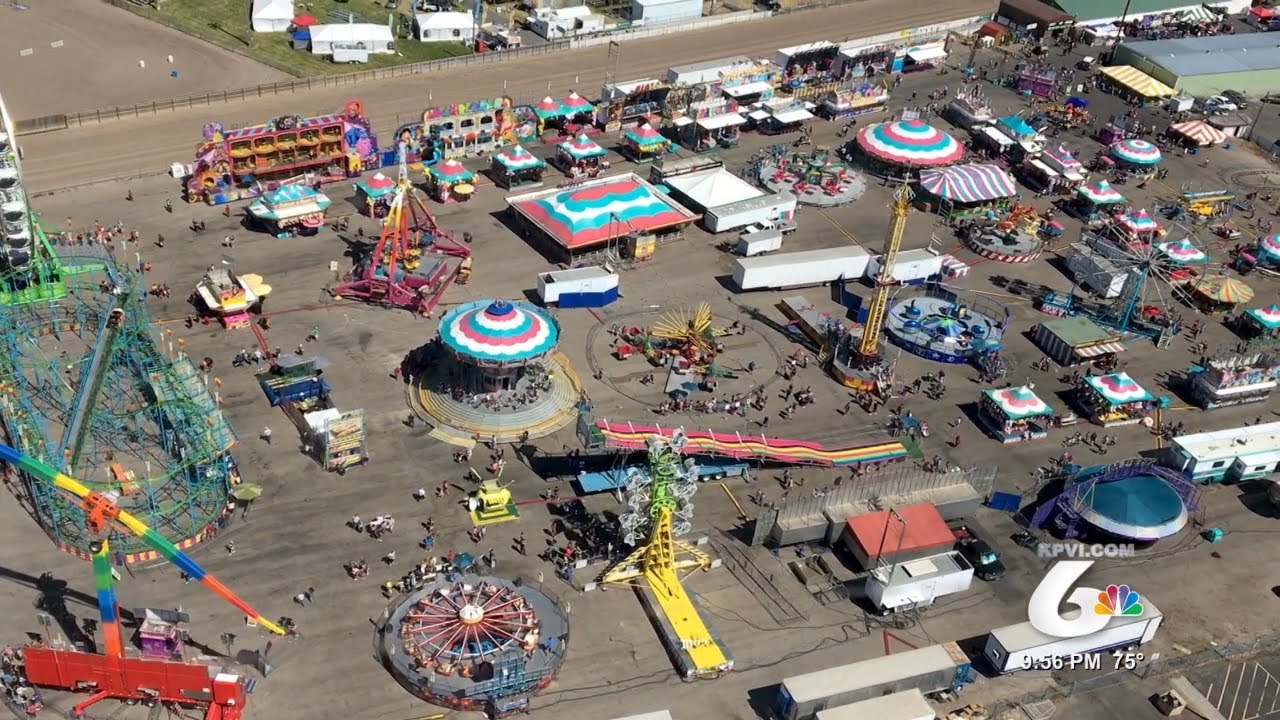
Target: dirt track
{"type": "Point", "coordinates": [71, 157]}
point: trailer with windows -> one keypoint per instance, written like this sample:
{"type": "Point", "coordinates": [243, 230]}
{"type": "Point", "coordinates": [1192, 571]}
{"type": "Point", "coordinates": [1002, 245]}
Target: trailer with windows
{"type": "Point", "coordinates": [1022, 647]}
{"type": "Point", "coordinates": [586, 287]}
{"type": "Point", "coordinates": [797, 269]}
{"type": "Point", "coordinates": [906, 705]}
{"type": "Point", "coordinates": [928, 670]}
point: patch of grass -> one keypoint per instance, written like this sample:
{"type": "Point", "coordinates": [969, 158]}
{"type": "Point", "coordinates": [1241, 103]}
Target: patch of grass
{"type": "Point", "coordinates": [226, 23]}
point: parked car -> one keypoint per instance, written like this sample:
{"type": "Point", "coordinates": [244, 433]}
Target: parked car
{"type": "Point", "coordinates": [985, 561]}
{"type": "Point", "coordinates": [1238, 98]}
{"type": "Point", "coordinates": [1218, 105]}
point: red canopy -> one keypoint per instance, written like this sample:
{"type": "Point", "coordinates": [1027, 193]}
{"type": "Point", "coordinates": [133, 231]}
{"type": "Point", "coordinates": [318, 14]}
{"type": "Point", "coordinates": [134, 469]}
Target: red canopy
{"type": "Point", "coordinates": [305, 21]}
{"type": "Point", "coordinates": [1262, 13]}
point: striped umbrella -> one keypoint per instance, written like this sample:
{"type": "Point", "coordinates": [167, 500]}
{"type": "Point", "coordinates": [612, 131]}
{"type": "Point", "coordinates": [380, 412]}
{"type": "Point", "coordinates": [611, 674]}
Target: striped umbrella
{"type": "Point", "coordinates": [912, 143]}
{"type": "Point", "coordinates": [1100, 193]}
{"type": "Point", "coordinates": [1136, 152]}
{"type": "Point", "coordinates": [1222, 289]}
{"type": "Point", "coordinates": [1182, 252]}
{"type": "Point", "coordinates": [1268, 317]}
{"type": "Point", "coordinates": [1270, 245]}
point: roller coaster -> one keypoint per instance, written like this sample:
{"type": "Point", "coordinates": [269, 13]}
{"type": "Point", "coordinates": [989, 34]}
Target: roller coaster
{"type": "Point", "coordinates": [87, 386]}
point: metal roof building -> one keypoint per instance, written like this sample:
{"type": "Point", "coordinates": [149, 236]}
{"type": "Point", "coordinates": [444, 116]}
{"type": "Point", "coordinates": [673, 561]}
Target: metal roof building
{"type": "Point", "coordinates": [1248, 62]}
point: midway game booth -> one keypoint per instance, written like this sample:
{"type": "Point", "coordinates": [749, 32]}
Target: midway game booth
{"type": "Point", "coordinates": [1136, 157]}
{"type": "Point", "coordinates": [642, 143]}
{"type": "Point", "coordinates": [1094, 202]}
{"type": "Point", "coordinates": [1260, 324]}
{"type": "Point", "coordinates": [860, 99]}
{"type": "Point", "coordinates": [1074, 340]}
{"type": "Point", "coordinates": [623, 214]}
{"type": "Point", "coordinates": [375, 195]}
{"type": "Point", "coordinates": [710, 124]}
{"type": "Point", "coordinates": [450, 181]}
{"type": "Point", "coordinates": [243, 164]}
{"type": "Point", "coordinates": [551, 114]}
{"type": "Point", "coordinates": [1014, 414]}
{"type": "Point", "coordinates": [1115, 399]}
{"type": "Point", "coordinates": [517, 167]}
{"type": "Point", "coordinates": [1062, 161]}
{"type": "Point", "coordinates": [1136, 84]}
{"type": "Point", "coordinates": [894, 147]}
{"type": "Point", "coordinates": [966, 191]}
{"type": "Point", "coordinates": [1249, 377]}
{"type": "Point", "coordinates": [808, 64]}
{"type": "Point", "coordinates": [290, 211]}
{"type": "Point", "coordinates": [581, 157]}
{"type": "Point", "coordinates": [630, 103]}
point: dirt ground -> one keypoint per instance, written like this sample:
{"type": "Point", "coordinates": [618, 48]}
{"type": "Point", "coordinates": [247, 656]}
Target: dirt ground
{"type": "Point", "coordinates": [88, 59]}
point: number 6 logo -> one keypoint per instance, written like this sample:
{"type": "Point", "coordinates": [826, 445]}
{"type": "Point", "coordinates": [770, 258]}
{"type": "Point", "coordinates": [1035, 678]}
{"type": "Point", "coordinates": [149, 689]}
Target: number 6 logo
{"type": "Point", "coordinates": [1054, 590]}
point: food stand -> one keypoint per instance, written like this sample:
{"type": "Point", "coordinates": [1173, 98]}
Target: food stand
{"type": "Point", "coordinates": [1136, 157]}
{"type": "Point", "coordinates": [550, 113]}
{"type": "Point", "coordinates": [1250, 377]}
{"type": "Point", "coordinates": [1073, 340]}
{"type": "Point", "coordinates": [290, 211]}
{"type": "Point", "coordinates": [1260, 324]}
{"type": "Point", "coordinates": [450, 181]}
{"type": "Point", "coordinates": [1265, 253]}
{"type": "Point", "coordinates": [857, 100]}
{"type": "Point", "coordinates": [375, 194]}
{"type": "Point", "coordinates": [1219, 293]}
{"type": "Point", "coordinates": [1065, 164]}
{"type": "Point", "coordinates": [1198, 133]}
{"type": "Point", "coordinates": [1014, 414]}
{"type": "Point", "coordinates": [642, 143]}
{"type": "Point", "coordinates": [581, 157]}
{"type": "Point", "coordinates": [780, 119]}
{"type": "Point", "coordinates": [517, 167]}
{"type": "Point", "coordinates": [578, 111]}
{"type": "Point", "coordinates": [1093, 200]}
{"type": "Point", "coordinates": [1115, 399]}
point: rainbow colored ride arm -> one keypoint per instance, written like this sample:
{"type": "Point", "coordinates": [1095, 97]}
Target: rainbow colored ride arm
{"type": "Point", "coordinates": [108, 607]}
{"type": "Point", "coordinates": [153, 539]}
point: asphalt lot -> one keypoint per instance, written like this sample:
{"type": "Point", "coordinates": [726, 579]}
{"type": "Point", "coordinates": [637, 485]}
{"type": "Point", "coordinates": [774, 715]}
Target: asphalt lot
{"type": "Point", "coordinates": [295, 536]}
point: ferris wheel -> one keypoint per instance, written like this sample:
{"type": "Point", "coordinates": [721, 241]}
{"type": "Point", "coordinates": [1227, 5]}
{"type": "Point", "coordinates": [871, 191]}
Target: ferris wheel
{"type": "Point", "coordinates": [668, 485]}
{"type": "Point", "coordinates": [1154, 273]}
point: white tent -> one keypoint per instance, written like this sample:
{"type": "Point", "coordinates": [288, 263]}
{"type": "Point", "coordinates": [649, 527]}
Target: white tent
{"type": "Point", "coordinates": [360, 36]}
{"type": "Point", "coordinates": [445, 27]}
{"type": "Point", "coordinates": [272, 15]}
{"type": "Point", "coordinates": [712, 188]}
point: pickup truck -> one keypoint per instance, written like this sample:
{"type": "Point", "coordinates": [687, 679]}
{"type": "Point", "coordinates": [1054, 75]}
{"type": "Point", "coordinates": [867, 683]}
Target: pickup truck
{"type": "Point", "coordinates": [786, 227]}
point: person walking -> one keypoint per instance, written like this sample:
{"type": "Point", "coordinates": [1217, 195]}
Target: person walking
{"type": "Point", "coordinates": [266, 435]}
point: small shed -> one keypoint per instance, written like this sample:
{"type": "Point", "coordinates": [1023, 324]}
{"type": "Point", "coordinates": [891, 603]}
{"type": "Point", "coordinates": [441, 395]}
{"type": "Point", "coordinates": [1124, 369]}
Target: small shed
{"type": "Point", "coordinates": [370, 37]}
{"type": "Point", "coordinates": [917, 531]}
{"type": "Point", "coordinates": [457, 27]}
{"type": "Point", "coordinates": [1075, 340]}
{"type": "Point", "coordinates": [653, 12]}
{"type": "Point", "coordinates": [271, 15]}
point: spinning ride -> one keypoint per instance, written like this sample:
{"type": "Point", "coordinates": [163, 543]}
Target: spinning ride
{"type": "Point", "coordinates": [658, 511]}
{"type": "Point", "coordinates": [907, 145]}
{"type": "Point", "coordinates": [475, 643]}
{"type": "Point", "coordinates": [408, 267]}
{"type": "Point", "coordinates": [1133, 501]}
{"type": "Point", "coordinates": [816, 178]}
{"type": "Point", "coordinates": [1015, 238]}
{"type": "Point", "coordinates": [946, 326]}
{"type": "Point", "coordinates": [493, 372]}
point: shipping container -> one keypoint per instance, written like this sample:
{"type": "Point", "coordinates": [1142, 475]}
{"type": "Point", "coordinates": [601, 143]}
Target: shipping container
{"type": "Point", "coordinates": [917, 583]}
{"type": "Point", "coordinates": [906, 705]}
{"type": "Point", "coordinates": [811, 267]}
{"type": "Point", "coordinates": [1022, 647]}
{"type": "Point", "coordinates": [929, 669]}
{"type": "Point", "coordinates": [580, 287]}
{"type": "Point", "coordinates": [911, 266]}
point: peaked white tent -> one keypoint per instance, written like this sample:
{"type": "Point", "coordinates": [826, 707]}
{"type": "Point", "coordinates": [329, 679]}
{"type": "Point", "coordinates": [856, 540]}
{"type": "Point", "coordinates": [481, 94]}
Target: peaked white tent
{"type": "Point", "coordinates": [712, 188]}
{"type": "Point", "coordinates": [363, 36]}
{"type": "Point", "coordinates": [271, 15]}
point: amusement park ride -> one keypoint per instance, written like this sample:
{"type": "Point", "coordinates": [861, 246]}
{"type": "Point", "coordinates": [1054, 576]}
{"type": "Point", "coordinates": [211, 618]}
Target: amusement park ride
{"type": "Point", "coordinates": [115, 674]}
{"type": "Point", "coordinates": [859, 358]}
{"type": "Point", "coordinates": [406, 269]}
{"type": "Point", "coordinates": [658, 511]}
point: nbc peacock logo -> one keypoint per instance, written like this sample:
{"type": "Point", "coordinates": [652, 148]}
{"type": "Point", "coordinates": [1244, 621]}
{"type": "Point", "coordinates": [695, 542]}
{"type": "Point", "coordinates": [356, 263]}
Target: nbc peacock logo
{"type": "Point", "coordinates": [1118, 600]}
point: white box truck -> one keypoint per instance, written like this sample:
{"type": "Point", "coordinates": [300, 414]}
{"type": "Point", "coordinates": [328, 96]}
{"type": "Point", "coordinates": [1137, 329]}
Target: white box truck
{"type": "Point", "coordinates": [758, 243]}
{"type": "Point", "coordinates": [810, 267]}
{"type": "Point", "coordinates": [763, 209]}
{"type": "Point", "coordinates": [917, 583]}
{"type": "Point", "coordinates": [579, 287]}
{"type": "Point", "coordinates": [911, 266]}
{"type": "Point", "coordinates": [1022, 647]}
{"type": "Point", "coordinates": [905, 705]}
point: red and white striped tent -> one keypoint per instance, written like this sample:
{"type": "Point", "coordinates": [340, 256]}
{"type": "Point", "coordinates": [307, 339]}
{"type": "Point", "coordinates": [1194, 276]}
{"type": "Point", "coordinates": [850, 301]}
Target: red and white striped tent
{"type": "Point", "coordinates": [1199, 132]}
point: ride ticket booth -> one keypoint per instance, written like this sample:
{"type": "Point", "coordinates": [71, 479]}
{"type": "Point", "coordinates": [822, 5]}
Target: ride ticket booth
{"type": "Point", "coordinates": [1014, 414]}
{"type": "Point", "coordinates": [1114, 400]}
